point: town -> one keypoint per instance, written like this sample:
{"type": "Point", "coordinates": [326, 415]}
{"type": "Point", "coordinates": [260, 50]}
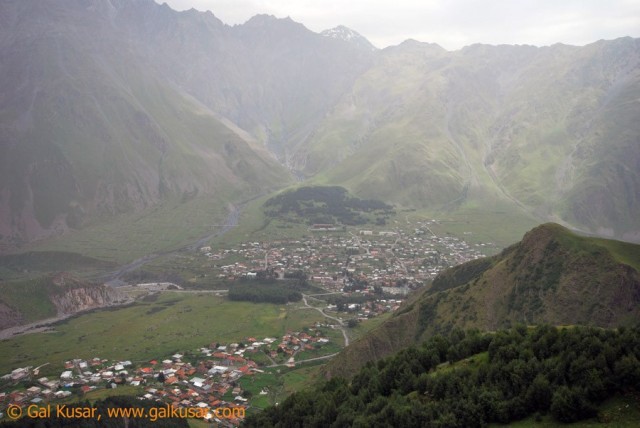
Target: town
{"type": "Point", "coordinates": [361, 260]}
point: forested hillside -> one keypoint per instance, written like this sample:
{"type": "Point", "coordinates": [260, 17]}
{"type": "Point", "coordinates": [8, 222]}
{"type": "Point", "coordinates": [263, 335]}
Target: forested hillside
{"type": "Point", "coordinates": [471, 379]}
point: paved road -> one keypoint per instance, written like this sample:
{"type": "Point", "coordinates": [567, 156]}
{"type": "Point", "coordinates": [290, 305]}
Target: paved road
{"type": "Point", "coordinates": [324, 357]}
{"type": "Point", "coordinates": [344, 332]}
{"type": "Point", "coordinates": [198, 291]}
{"type": "Point", "coordinates": [324, 294]}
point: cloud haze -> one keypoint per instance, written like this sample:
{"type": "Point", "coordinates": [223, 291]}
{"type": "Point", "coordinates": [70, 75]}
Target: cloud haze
{"type": "Point", "coordinates": [452, 24]}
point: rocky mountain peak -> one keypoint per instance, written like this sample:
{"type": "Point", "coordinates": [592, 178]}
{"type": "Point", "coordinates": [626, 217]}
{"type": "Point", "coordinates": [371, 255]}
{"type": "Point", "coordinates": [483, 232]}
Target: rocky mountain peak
{"type": "Point", "coordinates": [348, 35]}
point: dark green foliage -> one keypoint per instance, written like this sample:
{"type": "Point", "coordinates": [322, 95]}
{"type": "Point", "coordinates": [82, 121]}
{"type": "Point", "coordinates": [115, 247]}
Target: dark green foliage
{"type": "Point", "coordinates": [327, 205]}
{"type": "Point", "coordinates": [259, 291]}
{"type": "Point", "coordinates": [428, 311]}
{"type": "Point", "coordinates": [266, 288]}
{"type": "Point", "coordinates": [470, 379]}
{"type": "Point", "coordinates": [571, 404]}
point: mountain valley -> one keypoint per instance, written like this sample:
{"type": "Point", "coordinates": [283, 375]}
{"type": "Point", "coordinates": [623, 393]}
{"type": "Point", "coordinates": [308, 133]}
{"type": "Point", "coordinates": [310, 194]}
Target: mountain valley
{"type": "Point", "coordinates": [243, 213]}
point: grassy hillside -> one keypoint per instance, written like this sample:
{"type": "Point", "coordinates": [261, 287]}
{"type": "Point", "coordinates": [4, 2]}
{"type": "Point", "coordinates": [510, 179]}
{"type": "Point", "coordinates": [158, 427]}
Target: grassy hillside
{"type": "Point", "coordinates": [29, 298]}
{"type": "Point", "coordinates": [36, 263]}
{"type": "Point", "coordinates": [94, 131]}
{"type": "Point", "coordinates": [552, 276]}
{"type": "Point", "coordinates": [166, 226]}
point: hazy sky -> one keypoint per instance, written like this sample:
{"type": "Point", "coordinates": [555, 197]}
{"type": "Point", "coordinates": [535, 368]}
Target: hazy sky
{"type": "Point", "coordinates": [450, 23]}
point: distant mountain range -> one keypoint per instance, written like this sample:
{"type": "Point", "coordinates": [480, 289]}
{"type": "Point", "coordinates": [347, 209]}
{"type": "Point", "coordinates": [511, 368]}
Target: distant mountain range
{"type": "Point", "coordinates": [113, 106]}
{"type": "Point", "coordinates": [552, 276]}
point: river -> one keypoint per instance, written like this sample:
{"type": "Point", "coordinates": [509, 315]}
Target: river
{"type": "Point", "coordinates": [230, 223]}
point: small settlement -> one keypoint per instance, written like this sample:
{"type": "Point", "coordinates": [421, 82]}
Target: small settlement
{"type": "Point", "coordinates": [208, 378]}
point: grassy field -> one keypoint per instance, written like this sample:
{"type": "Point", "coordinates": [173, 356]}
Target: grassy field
{"type": "Point", "coordinates": [197, 423]}
{"type": "Point", "coordinates": [102, 393]}
{"type": "Point", "coordinates": [624, 252]}
{"type": "Point", "coordinates": [146, 330]}
{"type": "Point", "coordinates": [279, 383]}
{"type": "Point", "coordinates": [500, 227]}
{"type": "Point", "coordinates": [131, 236]}
{"type": "Point", "coordinates": [36, 263]}
{"type": "Point", "coordinates": [365, 327]}
{"type": "Point", "coordinates": [254, 225]}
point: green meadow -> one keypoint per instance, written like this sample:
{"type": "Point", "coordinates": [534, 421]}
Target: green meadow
{"type": "Point", "coordinates": [279, 383]}
{"type": "Point", "coordinates": [152, 329]}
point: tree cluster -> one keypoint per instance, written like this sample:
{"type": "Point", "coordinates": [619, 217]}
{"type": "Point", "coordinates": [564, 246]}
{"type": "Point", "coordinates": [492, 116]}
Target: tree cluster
{"type": "Point", "coordinates": [265, 292]}
{"type": "Point", "coordinates": [326, 205]}
{"type": "Point", "coordinates": [469, 379]}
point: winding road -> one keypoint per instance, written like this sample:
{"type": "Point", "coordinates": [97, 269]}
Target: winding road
{"type": "Point", "coordinates": [324, 357]}
{"type": "Point", "coordinates": [344, 332]}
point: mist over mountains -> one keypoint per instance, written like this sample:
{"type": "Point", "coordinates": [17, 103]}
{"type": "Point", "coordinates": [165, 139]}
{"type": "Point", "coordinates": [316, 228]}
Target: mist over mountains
{"type": "Point", "coordinates": [111, 107]}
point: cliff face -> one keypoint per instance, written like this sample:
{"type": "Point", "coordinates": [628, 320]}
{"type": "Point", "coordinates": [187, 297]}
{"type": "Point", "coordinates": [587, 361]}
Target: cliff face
{"type": "Point", "coordinates": [28, 301]}
{"type": "Point", "coordinates": [82, 299]}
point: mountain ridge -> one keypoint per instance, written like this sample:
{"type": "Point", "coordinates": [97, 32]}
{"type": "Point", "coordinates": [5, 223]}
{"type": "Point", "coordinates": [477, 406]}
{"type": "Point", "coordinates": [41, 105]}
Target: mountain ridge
{"type": "Point", "coordinates": [546, 130]}
{"type": "Point", "coordinates": [348, 35]}
{"type": "Point", "coordinates": [119, 143]}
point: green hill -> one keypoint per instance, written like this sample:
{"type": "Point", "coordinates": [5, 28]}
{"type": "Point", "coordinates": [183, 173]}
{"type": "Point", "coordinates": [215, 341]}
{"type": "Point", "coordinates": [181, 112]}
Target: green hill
{"type": "Point", "coordinates": [552, 276]}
